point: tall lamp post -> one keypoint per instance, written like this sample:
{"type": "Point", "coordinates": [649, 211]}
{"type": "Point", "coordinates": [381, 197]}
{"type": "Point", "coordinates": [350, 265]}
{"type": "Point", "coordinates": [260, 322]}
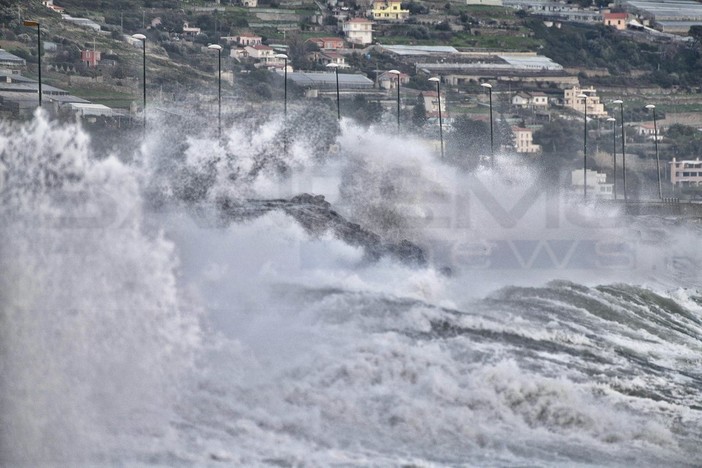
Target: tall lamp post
{"type": "Point", "coordinates": [397, 74]}
{"type": "Point", "coordinates": [32, 24]}
{"type": "Point", "coordinates": [488, 86]}
{"type": "Point", "coordinates": [285, 84]}
{"type": "Point", "coordinates": [218, 48]}
{"type": "Point", "coordinates": [584, 98]}
{"type": "Point", "coordinates": [655, 140]}
{"type": "Point", "coordinates": [614, 155]}
{"type": "Point", "coordinates": [441, 125]}
{"type": "Point", "coordinates": [142, 38]}
{"type": "Point", "coordinates": [335, 66]}
{"type": "Point", "coordinates": [621, 109]}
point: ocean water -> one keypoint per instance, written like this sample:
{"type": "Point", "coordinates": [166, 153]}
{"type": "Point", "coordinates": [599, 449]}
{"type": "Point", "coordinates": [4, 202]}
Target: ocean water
{"type": "Point", "coordinates": [141, 327]}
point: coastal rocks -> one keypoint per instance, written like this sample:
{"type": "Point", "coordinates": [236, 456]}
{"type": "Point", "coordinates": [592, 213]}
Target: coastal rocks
{"type": "Point", "coordinates": [317, 217]}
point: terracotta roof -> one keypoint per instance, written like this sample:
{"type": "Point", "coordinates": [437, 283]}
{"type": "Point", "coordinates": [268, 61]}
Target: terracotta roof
{"type": "Point", "coordinates": [621, 16]}
{"type": "Point", "coordinates": [359, 20]}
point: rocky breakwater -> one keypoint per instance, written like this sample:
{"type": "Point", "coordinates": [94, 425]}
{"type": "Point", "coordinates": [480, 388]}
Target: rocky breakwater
{"type": "Point", "coordinates": [317, 217]}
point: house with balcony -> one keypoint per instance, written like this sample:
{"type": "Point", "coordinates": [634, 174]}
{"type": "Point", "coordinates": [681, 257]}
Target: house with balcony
{"type": "Point", "coordinates": [389, 10]}
{"type": "Point", "coordinates": [262, 54]}
{"type": "Point", "coordinates": [572, 100]}
{"type": "Point", "coordinates": [686, 173]}
{"type": "Point", "coordinates": [358, 31]}
{"type": "Point", "coordinates": [524, 140]}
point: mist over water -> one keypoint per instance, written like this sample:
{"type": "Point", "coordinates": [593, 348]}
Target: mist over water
{"type": "Point", "coordinates": [144, 320]}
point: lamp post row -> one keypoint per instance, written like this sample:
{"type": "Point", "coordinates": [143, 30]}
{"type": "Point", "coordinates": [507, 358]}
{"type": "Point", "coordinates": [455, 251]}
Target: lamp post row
{"type": "Point", "coordinates": [436, 80]}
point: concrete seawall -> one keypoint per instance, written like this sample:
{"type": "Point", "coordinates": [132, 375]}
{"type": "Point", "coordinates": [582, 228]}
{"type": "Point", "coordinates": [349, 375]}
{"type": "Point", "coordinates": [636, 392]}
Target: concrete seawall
{"type": "Point", "coordinates": [670, 207]}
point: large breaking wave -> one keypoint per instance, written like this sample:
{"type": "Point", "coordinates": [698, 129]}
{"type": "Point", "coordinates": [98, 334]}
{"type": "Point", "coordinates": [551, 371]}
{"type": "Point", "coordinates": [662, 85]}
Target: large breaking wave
{"type": "Point", "coordinates": [185, 308]}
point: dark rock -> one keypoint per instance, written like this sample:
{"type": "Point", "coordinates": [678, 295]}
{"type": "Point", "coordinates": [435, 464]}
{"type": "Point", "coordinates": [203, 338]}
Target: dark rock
{"type": "Point", "coordinates": [314, 213]}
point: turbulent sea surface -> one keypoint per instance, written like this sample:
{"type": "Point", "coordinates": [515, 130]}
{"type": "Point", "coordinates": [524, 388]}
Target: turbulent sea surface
{"type": "Point", "coordinates": [142, 325]}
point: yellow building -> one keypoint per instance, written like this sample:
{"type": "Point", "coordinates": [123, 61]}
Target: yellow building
{"type": "Point", "coordinates": [389, 10]}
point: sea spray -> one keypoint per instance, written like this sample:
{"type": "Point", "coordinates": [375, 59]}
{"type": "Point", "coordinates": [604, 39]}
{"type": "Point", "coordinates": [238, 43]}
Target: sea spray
{"type": "Point", "coordinates": [93, 327]}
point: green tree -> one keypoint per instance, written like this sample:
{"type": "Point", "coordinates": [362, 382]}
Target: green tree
{"type": "Point", "coordinates": [419, 112]}
{"type": "Point", "coordinates": [560, 137]}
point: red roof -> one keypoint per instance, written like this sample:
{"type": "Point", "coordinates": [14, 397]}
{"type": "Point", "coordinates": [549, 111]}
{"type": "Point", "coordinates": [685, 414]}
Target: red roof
{"type": "Point", "coordinates": [614, 16]}
{"type": "Point", "coordinates": [359, 20]}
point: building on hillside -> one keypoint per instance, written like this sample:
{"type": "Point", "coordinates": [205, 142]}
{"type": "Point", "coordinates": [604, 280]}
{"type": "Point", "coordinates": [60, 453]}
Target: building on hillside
{"type": "Point", "coordinates": [616, 20]}
{"type": "Point", "coordinates": [389, 80]}
{"type": "Point", "coordinates": [327, 80]}
{"type": "Point", "coordinates": [389, 10]}
{"type": "Point", "coordinates": [673, 16]}
{"type": "Point", "coordinates": [358, 31]}
{"type": "Point", "coordinates": [330, 57]}
{"type": "Point", "coordinates": [50, 5]}
{"type": "Point", "coordinates": [261, 53]}
{"type": "Point", "coordinates": [524, 140]}
{"type": "Point", "coordinates": [190, 31]}
{"type": "Point", "coordinates": [596, 183]}
{"type": "Point", "coordinates": [244, 39]}
{"type": "Point", "coordinates": [249, 3]}
{"type": "Point", "coordinates": [327, 43]}
{"type": "Point", "coordinates": [594, 107]}
{"type": "Point", "coordinates": [513, 69]}
{"type": "Point", "coordinates": [686, 173]}
{"type": "Point", "coordinates": [82, 22]}
{"type": "Point", "coordinates": [90, 57]}
{"type": "Point", "coordinates": [530, 100]}
{"type": "Point", "coordinates": [431, 104]}
{"type": "Point", "coordinates": [11, 62]}
{"type": "Point", "coordinates": [648, 130]}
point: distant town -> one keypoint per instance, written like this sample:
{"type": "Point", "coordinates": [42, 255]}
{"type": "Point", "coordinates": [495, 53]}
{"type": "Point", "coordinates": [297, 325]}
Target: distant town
{"type": "Point", "coordinates": [577, 87]}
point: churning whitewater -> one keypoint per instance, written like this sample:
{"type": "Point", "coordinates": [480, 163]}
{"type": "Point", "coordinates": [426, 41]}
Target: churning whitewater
{"type": "Point", "coordinates": [237, 303]}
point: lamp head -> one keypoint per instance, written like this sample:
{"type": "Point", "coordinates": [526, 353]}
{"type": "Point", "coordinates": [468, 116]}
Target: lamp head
{"type": "Point", "coordinates": [617, 101]}
{"type": "Point", "coordinates": [332, 65]}
{"type": "Point", "coordinates": [582, 96]}
{"type": "Point", "coordinates": [394, 72]}
{"type": "Point", "coordinates": [141, 37]}
{"type": "Point", "coordinates": [611, 119]}
{"type": "Point", "coordinates": [281, 56]}
{"type": "Point", "coordinates": [650, 106]}
{"type": "Point", "coordinates": [31, 23]}
{"type": "Point", "coordinates": [434, 79]}
{"type": "Point", "coordinates": [486, 85]}
{"type": "Point", "coordinates": [214, 47]}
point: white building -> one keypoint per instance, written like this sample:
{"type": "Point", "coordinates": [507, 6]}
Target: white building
{"type": "Point", "coordinates": [359, 31]}
{"type": "Point", "coordinates": [261, 53]}
{"type": "Point", "coordinates": [594, 107]}
{"type": "Point", "coordinates": [523, 140]}
{"type": "Point", "coordinates": [596, 183]}
{"type": "Point", "coordinates": [686, 173]}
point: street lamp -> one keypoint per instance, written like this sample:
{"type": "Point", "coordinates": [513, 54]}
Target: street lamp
{"type": "Point", "coordinates": [285, 84]}
{"type": "Point", "coordinates": [655, 139]}
{"type": "Point", "coordinates": [441, 125]}
{"type": "Point", "coordinates": [492, 146]}
{"type": "Point", "coordinates": [218, 48]}
{"type": "Point", "coordinates": [335, 66]}
{"type": "Point", "coordinates": [142, 38]}
{"type": "Point", "coordinates": [621, 108]}
{"type": "Point", "coordinates": [614, 154]}
{"type": "Point", "coordinates": [584, 98]}
{"type": "Point", "coordinates": [32, 24]}
{"type": "Point", "coordinates": [397, 74]}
